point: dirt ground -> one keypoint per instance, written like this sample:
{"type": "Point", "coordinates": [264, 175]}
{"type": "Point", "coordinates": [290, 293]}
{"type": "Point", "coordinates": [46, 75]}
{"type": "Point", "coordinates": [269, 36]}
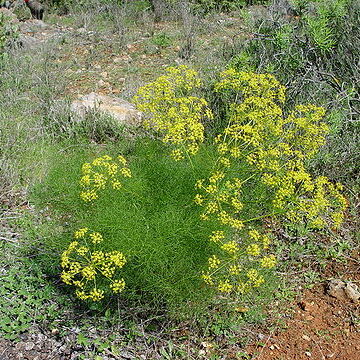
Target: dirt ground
{"type": "Point", "coordinates": [322, 327]}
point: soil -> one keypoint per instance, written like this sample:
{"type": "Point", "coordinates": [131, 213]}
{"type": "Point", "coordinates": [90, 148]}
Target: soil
{"type": "Point", "coordinates": [322, 327]}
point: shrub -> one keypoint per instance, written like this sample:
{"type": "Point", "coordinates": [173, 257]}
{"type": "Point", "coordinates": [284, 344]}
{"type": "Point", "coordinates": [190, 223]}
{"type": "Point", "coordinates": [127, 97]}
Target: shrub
{"type": "Point", "coordinates": [150, 219]}
{"type": "Point", "coordinates": [8, 33]}
{"type": "Point", "coordinates": [223, 5]}
{"type": "Point", "coordinates": [314, 54]}
{"type": "Point", "coordinates": [253, 170]}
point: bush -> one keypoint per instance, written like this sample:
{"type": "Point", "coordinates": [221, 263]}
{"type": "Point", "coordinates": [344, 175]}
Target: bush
{"type": "Point", "coordinates": [151, 220]}
{"type": "Point", "coordinates": [314, 54]}
{"type": "Point", "coordinates": [223, 5]}
{"type": "Point", "coordinates": [8, 34]}
{"type": "Point", "coordinates": [149, 212]}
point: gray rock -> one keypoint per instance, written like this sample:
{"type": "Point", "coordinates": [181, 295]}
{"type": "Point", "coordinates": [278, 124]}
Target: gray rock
{"type": "Point", "coordinates": [122, 111]}
{"type": "Point", "coordinates": [343, 290]}
{"type": "Point", "coordinates": [27, 41]}
{"type": "Point", "coordinates": [29, 346]}
{"type": "Point", "coordinates": [33, 26]}
{"type": "Point", "coordinates": [352, 292]}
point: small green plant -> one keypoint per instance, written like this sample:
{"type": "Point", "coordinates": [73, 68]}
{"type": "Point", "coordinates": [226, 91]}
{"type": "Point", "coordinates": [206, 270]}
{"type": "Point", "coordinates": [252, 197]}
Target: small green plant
{"type": "Point", "coordinates": [25, 299]}
{"type": "Point", "coordinates": [162, 40]}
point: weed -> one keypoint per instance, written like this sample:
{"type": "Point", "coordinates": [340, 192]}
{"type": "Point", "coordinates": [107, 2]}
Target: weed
{"type": "Point", "coordinates": [26, 299]}
{"type": "Point", "coordinates": [162, 40]}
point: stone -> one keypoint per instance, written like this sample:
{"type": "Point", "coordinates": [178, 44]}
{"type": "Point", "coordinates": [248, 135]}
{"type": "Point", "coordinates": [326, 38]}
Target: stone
{"type": "Point", "coordinates": [121, 110]}
{"type": "Point", "coordinates": [32, 26]}
{"type": "Point", "coordinates": [27, 41]}
{"type": "Point", "coordinates": [352, 292]}
{"type": "Point", "coordinates": [343, 290]}
{"type": "Point", "coordinates": [29, 346]}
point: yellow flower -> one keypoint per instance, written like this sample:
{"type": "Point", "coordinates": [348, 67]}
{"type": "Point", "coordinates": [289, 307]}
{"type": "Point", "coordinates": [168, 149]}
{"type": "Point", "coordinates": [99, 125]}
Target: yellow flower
{"type": "Point", "coordinates": [81, 294]}
{"type": "Point", "coordinates": [225, 286]}
{"type": "Point", "coordinates": [96, 237]}
{"type": "Point", "coordinates": [255, 278]}
{"type": "Point", "coordinates": [235, 269]}
{"type": "Point", "coordinates": [80, 233]}
{"type": "Point", "coordinates": [86, 168]}
{"type": "Point", "coordinates": [82, 250]}
{"type": "Point", "coordinates": [117, 286]}
{"type": "Point", "coordinates": [88, 195]}
{"type": "Point", "coordinates": [216, 176]}
{"type": "Point", "coordinates": [214, 262]}
{"type": "Point", "coordinates": [177, 155]}
{"type": "Point", "coordinates": [217, 236]}
{"type": "Point", "coordinates": [198, 199]}
{"type": "Point", "coordinates": [116, 185]}
{"type": "Point", "coordinates": [96, 294]}
{"type": "Point", "coordinates": [268, 262]}
{"type": "Point", "coordinates": [253, 250]}
{"type": "Point", "coordinates": [117, 258]}
{"type": "Point", "coordinates": [207, 278]}
{"type": "Point", "coordinates": [125, 172]}
{"type": "Point", "coordinates": [85, 180]}
{"type": "Point", "coordinates": [122, 160]}
{"type": "Point", "coordinates": [211, 189]}
{"type": "Point", "coordinates": [231, 247]}
{"type": "Point", "coordinates": [224, 161]}
{"type": "Point", "coordinates": [66, 277]}
{"type": "Point", "coordinates": [88, 272]}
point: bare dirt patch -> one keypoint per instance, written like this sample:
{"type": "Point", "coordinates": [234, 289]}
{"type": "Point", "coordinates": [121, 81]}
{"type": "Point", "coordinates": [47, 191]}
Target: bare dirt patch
{"type": "Point", "coordinates": [322, 327]}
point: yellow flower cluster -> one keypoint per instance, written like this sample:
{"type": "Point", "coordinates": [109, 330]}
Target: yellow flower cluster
{"type": "Point", "coordinates": [275, 148]}
{"type": "Point", "coordinates": [262, 146]}
{"type": "Point", "coordinates": [101, 171]}
{"type": "Point", "coordinates": [173, 112]}
{"type": "Point", "coordinates": [250, 84]}
{"type": "Point", "coordinates": [228, 272]}
{"type": "Point", "coordinates": [85, 267]}
{"type": "Point", "coordinates": [220, 199]}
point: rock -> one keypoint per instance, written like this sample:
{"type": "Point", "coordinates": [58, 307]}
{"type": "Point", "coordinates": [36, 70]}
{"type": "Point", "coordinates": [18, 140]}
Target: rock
{"type": "Point", "coordinates": [81, 30]}
{"type": "Point", "coordinates": [27, 41]}
{"type": "Point", "coordinates": [305, 337]}
{"type": "Point", "coordinates": [33, 25]}
{"type": "Point", "coordinates": [352, 292]}
{"type": "Point", "coordinates": [101, 83]}
{"type": "Point", "coordinates": [122, 111]}
{"type": "Point", "coordinates": [343, 291]}
{"type": "Point", "coordinates": [29, 346]}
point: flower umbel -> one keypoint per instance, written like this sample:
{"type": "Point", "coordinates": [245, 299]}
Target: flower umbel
{"type": "Point", "coordinates": [85, 267]}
